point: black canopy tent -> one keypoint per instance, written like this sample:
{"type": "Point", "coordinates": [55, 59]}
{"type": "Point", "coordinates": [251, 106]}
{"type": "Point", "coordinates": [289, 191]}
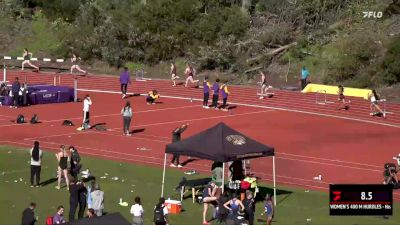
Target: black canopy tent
{"type": "Point", "coordinates": [220, 143]}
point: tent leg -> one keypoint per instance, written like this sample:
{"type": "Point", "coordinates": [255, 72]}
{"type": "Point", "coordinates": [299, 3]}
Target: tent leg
{"type": "Point", "coordinates": [163, 176]}
{"type": "Point", "coordinates": [223, 177]}
{"type": "Point", "coordinates": [274, 181]}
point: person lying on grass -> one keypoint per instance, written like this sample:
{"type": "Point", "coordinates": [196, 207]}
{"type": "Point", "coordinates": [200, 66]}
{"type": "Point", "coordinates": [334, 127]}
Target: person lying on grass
{"type": "Point", "coordinates": [152, 97]}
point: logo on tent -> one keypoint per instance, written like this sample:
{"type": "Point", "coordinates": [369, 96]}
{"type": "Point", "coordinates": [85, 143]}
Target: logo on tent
{"type": "Point", "coordinates": [236, 139]}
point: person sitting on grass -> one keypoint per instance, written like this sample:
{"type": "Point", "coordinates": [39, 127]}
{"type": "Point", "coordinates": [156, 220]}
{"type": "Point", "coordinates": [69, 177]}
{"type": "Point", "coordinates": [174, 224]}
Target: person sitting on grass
{"type": "Point", "coordinates": [58, 218]}
{"type": "Point", "coordinates": [341, 99]}
{"type": "Point", "coordinates": [152, 97]}
{"type": "Point", "coordinates": [375, 104]}
{"type": "Point", "coordinates": [209, 196]}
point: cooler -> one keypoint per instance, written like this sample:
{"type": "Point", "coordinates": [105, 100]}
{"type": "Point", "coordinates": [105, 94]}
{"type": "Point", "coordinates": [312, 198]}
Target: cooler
{"type": "Point", "coordinates": [173, 206]}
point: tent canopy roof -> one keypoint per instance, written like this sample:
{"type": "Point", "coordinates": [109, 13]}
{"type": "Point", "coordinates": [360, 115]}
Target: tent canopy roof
{"type": "Point", "coordinates": [220, 143]}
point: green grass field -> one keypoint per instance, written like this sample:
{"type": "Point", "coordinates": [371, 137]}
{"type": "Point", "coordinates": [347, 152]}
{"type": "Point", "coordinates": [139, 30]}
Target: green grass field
{"type": "Point", "coordinates": [294, 205]}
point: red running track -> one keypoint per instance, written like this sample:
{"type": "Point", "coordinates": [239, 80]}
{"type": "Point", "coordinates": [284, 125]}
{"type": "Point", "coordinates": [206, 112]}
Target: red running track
{"type": "Point", "coordinates": [310, 139]}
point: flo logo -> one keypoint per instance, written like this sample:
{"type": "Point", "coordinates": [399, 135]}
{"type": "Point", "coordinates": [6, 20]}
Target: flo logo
{"type": "Point", "coordinates": [236, 139]}
{"type": "Point", "coordinates": [337, 194]}
{"type": "Point", "coordinates": [372, 14]}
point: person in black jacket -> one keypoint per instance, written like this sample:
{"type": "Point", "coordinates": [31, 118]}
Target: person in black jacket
{"type": "Point", "coordinates": [16, 86]}
{"type": "Point", "coordinates": [249, 207]}
{"type": "Point", "coordinates": [77, 191]}
{"type": "Point", "coordinates": [28, 216]}
{"type": "Point", "coordinates": [75, 162]}
{"type": "Point", "coordinates": [176, 136]}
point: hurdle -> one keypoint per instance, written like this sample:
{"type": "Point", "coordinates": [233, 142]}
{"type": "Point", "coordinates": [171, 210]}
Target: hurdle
{"type": "Point", "coordinates": [324, 100]}
{"type": "Point", "coordinates": [384, 107]}
{"type": "Point", "coordinates": [139, 75]}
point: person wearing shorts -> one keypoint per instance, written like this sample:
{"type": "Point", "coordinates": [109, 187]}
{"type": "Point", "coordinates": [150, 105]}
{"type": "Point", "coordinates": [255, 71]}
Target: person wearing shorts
{"type": "Point", "coordinates": [209, 195]}
{"type": "Point", "coordinates": [190, 73]}
{"type": "Point", "coordinates": [269, 209]}
{"type": "Point", "coordinates": [264, 86]}
{"type": "Point", "coordinates": [75, 64]}
{"type": "Point", "coordinates": [374, 107]}
{"type": "Point", "coordinates": [341, 98]}
{"type": "Point", "coordinates": [173, 74]}
{"type": "Point", "coordinates": [27, 57]}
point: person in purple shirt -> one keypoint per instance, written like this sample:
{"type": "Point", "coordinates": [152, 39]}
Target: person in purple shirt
{"type": "Point", "coordinates": [124, 79]}
{"type": "Point", "coordinates": [16, 86]}
{"type": "Point", "coordinates": [59, 217]}
{"type": "Point", "coordinates": [206, 89]}
{"type": "Point", "coordinates": [215, 89]}
{"type": "Point", "coordinates": [224, 92]}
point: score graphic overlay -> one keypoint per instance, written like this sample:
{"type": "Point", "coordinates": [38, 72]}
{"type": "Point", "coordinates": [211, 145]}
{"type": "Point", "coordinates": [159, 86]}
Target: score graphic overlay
{"type": "Point", "coordinates": [357, 199]}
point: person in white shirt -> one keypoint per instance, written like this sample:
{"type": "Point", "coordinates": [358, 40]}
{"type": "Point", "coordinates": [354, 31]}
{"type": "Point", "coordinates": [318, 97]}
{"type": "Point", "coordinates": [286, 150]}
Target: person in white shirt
{"type": "Point", "coordinates": [137, 212]}
{"type": "Point", "coordinates": [36, 161]}
{"type": "Point", "coordinates": [127, 117]}
{"type": "Point", "coordinates": [97, 200]}
{"type": "Point", "coordinates": [87, 102]}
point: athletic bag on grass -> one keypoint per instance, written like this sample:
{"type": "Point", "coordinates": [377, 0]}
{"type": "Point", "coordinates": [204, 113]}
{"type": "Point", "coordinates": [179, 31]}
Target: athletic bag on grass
{"type": "Point", "coordinates": [159, 215]}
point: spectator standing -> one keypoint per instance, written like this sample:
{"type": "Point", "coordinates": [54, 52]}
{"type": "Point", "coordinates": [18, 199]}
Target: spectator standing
{"type": "Point", "coordinates": [74, 190]}
{"type": "Point", "coordinates": [87, 102]}
{"type": "Point", "coordinates": [15, 88]}
{"type": "Point", "coordinates": [28, 216]}
{"type": "Point", "coordinates": [62, 158]}
{"type": "Point", "coordinates": [23, 95]}
{"type": "Point", "coordinates": [75, 162]}
{"type": "Point", "coordinates": [215, 89]}
{"type": "Point", "coordinates": [209, 195]}
{"type": "Point", "coordinates": [206, 91]}
{"type": "Point", "coordinates": [137, 212]}
{"type": "Point", "coordinates": [124, 79]}
{"type": "Point", "coordinates": [249, 207]}
{"type": "Point", "coordinates": [82, 200]}
{"type": "Point", "coordinates": [36, 161]}
{"type": "Point", "coordinates": [160, 213]}
{"type": "Point", "coordinates": [236, 168]}
{"type": "Point", "coordinates": [304, 77]}
{"type": "Point", "coordinates": [217, 173]}
{"type": "Point", "coordinates": [97, 200]}
{"type": "Point", "coordinates": [126, 112]}
{"type": "Point", "coordinates": [58, 218]}
{"type": "Point", "coordinates": [225, 93]}
{"type": "Point", "coordinates": [176, 136]}
{"type": "Point", "coordinates": [269, 209]}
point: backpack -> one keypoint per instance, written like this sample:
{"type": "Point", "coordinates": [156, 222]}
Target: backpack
{"type": "Point", "coordinates": [20, 119]}
{"type": "Point", "coordinates": [49, 220]}
{"type": "Point", "coordinates": [35, 119]}
{"type": "Point", "coordinates": [159, 215]}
